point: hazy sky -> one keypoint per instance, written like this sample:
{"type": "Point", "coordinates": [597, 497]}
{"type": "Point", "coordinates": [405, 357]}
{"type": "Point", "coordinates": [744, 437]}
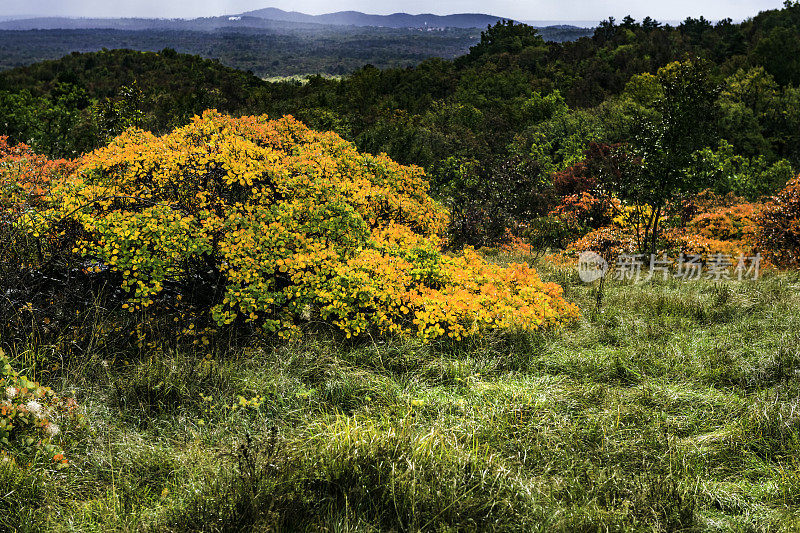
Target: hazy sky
{"type": "Point", "coordinates": [520, 10]}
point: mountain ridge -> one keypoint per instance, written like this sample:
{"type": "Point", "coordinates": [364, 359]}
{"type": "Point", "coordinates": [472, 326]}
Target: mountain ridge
{"type": "Point", "coordinates": [273, 18]}
{"type": "Point", "coordinates": [394, 20]}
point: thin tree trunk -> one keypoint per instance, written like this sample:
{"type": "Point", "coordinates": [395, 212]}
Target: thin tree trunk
{"type": "Point", "coordinates": [641, 240]}
{"type": "Point", "coordinates": [599, 297]}
{"type": "Point", "coordinates": [649, 228]}
{"type": "Point", "coordinates": [655, 231]}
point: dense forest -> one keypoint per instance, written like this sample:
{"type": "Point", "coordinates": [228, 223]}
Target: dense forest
{"type": "Point", "coordinates": [319, 49]}
{"type": "Point", "coordinates": [268, 48]}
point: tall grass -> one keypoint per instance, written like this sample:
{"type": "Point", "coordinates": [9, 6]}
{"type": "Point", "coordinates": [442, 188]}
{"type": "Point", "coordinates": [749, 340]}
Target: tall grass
{"type": "Point", "coordinates": [675, 407]}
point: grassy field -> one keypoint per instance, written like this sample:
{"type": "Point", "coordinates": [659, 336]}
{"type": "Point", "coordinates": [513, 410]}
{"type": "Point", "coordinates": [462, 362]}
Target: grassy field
{"type": "Point", "coordinates": [674, 407]}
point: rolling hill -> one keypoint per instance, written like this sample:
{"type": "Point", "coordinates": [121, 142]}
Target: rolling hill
{"type": "Point", "coordinates": [395, 20]}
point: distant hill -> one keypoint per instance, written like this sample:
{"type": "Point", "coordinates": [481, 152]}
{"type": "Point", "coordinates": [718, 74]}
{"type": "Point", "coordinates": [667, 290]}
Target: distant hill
{"type": "Point", "coordinates": [198, 24]}
{"type": "Point", "coordinates": [395, 20]}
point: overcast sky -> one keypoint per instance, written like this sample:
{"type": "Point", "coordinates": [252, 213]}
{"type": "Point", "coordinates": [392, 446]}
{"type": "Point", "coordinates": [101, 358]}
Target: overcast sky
{"type": "Point", "coordinates": [520, 10]}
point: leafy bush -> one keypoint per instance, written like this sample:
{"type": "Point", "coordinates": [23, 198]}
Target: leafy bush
{"type": "Point", "coordinates": [271, 223]}
{"type": "Point", "coordinates": [485, 202]}
{"type": "Point", "coordinates": [543, 233]}
{"type": "Point", "coordinates": [585, 204]}
{"type": "Point", "coordinates": [608, 241]}
{"type": "Point", "coordinates": [580, 213]}
{"type": "Point", "coordinates": [573, 180]}
{"type": "Point", "coordinates": [603, 165]}
{"type": "Point", "coordinates": [25, 181]}
{"type": "Point", "coordinates": [677, 240]}
{"type": "Point", "coordinates": [748, 177]}
{"type": "Point", "coordinates": [711, 224]}
{"type": "Point", "coordinates": [779, 226]}
{"type": "Point", "coordinates": [732, 223]}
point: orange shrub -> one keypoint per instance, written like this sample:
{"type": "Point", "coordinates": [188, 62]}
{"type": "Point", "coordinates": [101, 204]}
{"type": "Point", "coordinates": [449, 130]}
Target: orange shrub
{"type": "Point", "coordinates": [25, 182]}
{"type": "Point", "coordinates": [516, 245]}
{"type": "Point", "coordinates": [267, 222]}
{"type": "Point", "coordinates": [608, 241]}
{"type": "Point", "coordinates": [683, 241]}
{"type": "Point", "coordinates": [26, 177]}
{"type": "Point", "coordinates": [736, 223]}
{"type": "Point", "coordinates": [724, 225]}
{"type": "Point", "coordinates": [585, 210]}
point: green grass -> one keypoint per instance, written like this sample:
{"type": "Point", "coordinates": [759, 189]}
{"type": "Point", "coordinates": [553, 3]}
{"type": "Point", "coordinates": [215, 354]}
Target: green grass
{"type": "Point", "coordinates": [674, 407]}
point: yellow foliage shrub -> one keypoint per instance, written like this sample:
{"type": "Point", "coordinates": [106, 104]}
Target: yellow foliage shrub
{"type": "Point", "coordinates": [267, 221]}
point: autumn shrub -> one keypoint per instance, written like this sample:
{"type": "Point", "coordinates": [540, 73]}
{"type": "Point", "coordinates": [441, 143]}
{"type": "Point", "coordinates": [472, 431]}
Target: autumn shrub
{"type": "Point", "coordinates": [582, 202]}
{"type": "Point", "coordinates": [25, 182]}
{"type": "Point", "coordinates": [26, 176]}
{"type": "Point", "coordinates": [703, 202]}
{"type": "Point", "coordinates": [779, 227]}
{"type": "Point", "coordinates": [269, 223]}
{"type": "Point", "coordinates": [573, 180]}
{"type": "Point", "coordinates": [583, 212]}
{"type": "Point", "coordinates": [679, 240]}
{"type": "Point", "coordinates": [596, 219]}
{"type": "Point", "coordinates": [706, 224]}
{"type": "Point", "coordinates": [735, 223]}
{"type": "Point", "coordinates": [575, 216]}
{"type": "Point", "coordinates": [608, 241]}
{"type": "Point", "coordinates": [711, 223]}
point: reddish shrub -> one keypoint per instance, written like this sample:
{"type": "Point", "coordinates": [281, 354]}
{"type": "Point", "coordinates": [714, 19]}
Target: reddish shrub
{"type": "Point", "coordinates": [608, 241]}
{"type": "Point", "coordinates": [779, 227]}
{"type": "Point", "coordinates": [573, 180]}
{"type": "Point", "coordinates": [603, 164]}
{"type": "Point", "coordinates": [25, 177]}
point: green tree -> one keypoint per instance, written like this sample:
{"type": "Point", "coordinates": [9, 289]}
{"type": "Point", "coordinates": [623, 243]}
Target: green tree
{"type": "Point", "coordinates": [684, 123]}
{"type": "Point", "coordinates": [505, 37]}
{"type": "Point", "coordinates": [747, 101]}
{"type": "Point", "coordinates": [112, 116]}
{"type": "Point", "coordinates": [779, 52]}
